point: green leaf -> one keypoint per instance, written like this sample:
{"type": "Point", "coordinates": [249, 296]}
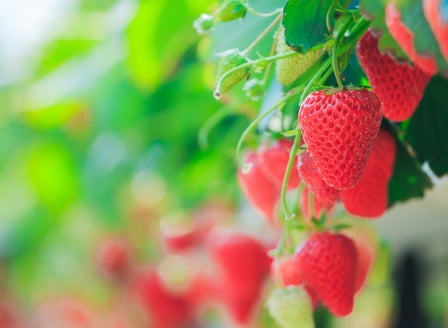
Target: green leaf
{"type": "Point", "coordinates": [159, 36]}
{"type": "Point", "coordinates": [305, 23]}
{"type": "Point", "coordinates": [427, 131]}
{"type": "Point", "coordinates": [408, 180]}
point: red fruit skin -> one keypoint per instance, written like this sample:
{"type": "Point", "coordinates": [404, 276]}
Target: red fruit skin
{"type": "Point", "coordinates": [328, 265]}
{"type": "Point", "coordinates": [432, 10]}
{"type": "Point", "coordinates": [325, 194]}
{"type": "Point", "coordinates": [165, 308]}
{"type": "Point", "coordinates": [286, 270]}
{"type": "Point", "coordinates": [339, 129]}
{"type": "Point", "coordinates": [243, 264]}
{"type": "Point", "coordinates": [318, 206]}
{"type": "Point", "coordinates": [200, 291]}
{"type": "Point", "coordinates": [259, 190]}
{"type": "Point", "coordinates": [274, 160]}
{"type": "Point", "coordinates": [405, 38]}
{"type": "Point", "coordinates": [370, 196]}
{"type": "Point", "coordinates": [399, 86]}
{"type": "Point", "coordinates": [114, 258]}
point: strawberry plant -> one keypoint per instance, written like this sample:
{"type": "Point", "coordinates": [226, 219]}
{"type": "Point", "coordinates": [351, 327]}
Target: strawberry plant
{"type": "Point", "coordinates": [221, 163]}
{"type": "Point", "coordinates": [346, 100]}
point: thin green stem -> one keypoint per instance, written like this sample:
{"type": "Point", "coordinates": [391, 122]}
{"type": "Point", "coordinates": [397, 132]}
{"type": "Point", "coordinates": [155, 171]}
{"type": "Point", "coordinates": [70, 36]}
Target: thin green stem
{"type": "Point", "coordinates": [257, 13]}
{"type": "Point", "coordinates": [329, 13]}
{"type": "Point", "coordinates": [217, 92]}
{"type": "Point", "coordinates": [254, 124]}
{"type": "Point", "coordinates": [271, 53]}
{"type": "Point", "coordinates": [323, 68]}
{"type": "Point", "coordinates": [262, 35]}
{"type": "Point", "coordinates": [359, 28]}
{"type": "Point", "coordinates": [217, 117]}
{"type": "Point", "coordinates": [334, 55]}
{"type": "Point", "coordinates": [336, 68]}
{"type": "Point", "coordinates": [250, 127]}
{"type": "Point", "coordinates": [292, 155]}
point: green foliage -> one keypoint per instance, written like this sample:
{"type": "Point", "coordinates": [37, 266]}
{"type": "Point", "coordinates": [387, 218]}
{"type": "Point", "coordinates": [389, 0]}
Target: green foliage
{"type": "Point", "coordinates": [305, 23]}
{"type": "Point", "coordinates": [408, 180]}
{"type": "Point", "coordinates": [158, 36]}
{"type": "Point", "coordinates": [426, 131]}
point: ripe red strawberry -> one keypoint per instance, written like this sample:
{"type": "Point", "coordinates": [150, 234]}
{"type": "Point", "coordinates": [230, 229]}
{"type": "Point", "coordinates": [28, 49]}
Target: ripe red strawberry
{"type": "Point", "coordinates": [242, 264]}
{"type": "Point", "coordinates": [259, 190]}
{"type": "Point", "coordinates": [285, 269]}
{"type": "Point", "coordinates": [200, 291]}
{"type": "Point", "coordinates": [274, 160]}
{"type": "Point", "coordinates": [339, 127]}
{"type": "Point", "coordinates": [325, 195]}
{"type": "Point", "coordinates": [318, 206]}
{"type": "Point", "coordinates": [328, 266]}
{"type": "Point", "coordinates": [366, 245]}
{"type": "Point", "coordinates": [399, 86]}
{"type": "Point", "coordinates": [369, 197]}
{"type": "Point", "coordinates": [439, 26]}
{"type": "Point", "coordinates": [165, 308]}
{"type": "Point", "coordinates": [405, 38]}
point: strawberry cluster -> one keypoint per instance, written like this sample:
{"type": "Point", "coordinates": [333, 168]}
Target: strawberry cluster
{"type": "Point", "coordinates": [343, 155]}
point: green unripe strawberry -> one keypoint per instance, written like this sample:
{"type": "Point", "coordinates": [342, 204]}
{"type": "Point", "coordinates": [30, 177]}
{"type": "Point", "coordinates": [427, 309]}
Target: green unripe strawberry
{"type": "Point", "coordinates": [230, 60]}
{"type": "Point", "coordinates": [230, 10]}
{"type": "Point", "coordinates": [203, 23]}
{"type": "Point", "coordinates": [291, 307]}
{"type": "Point", "coordinates": [289, 69]}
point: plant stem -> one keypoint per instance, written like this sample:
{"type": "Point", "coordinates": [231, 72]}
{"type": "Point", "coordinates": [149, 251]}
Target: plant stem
{"type": "Point", "coordinates": [329, 12]}
{"type": "Point", "coordinates": [217, 117]}
{"type": "Point", "coordinates": [262, 35]}
{"type": "Point", "coordinates": [334, 55]}
{"type": "Point", "coordinates": [336, 69]}
{"type": "Point", "coordinates": [271, 53]}
{"type": "Point", "coordinates": [217, 92]}
{"type": "Point", "coordinates": [250, 127]}
{"type": "Point", "coordinates": [255, 122]}
{"type": "Point", "coordinates": [292, 154]}
{"type": "Point", "coordinates": [257, 13]}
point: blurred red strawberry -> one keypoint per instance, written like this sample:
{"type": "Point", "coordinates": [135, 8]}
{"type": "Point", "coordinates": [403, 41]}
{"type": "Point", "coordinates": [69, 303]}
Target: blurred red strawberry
{"type": "Point", "coordinates": [259, 189]}
{"type": "Point", "coordinates": [242, 264]}
{"type": "Point", "coordinates": [274, 160]}
{"type": "Point", "coordinates": [165, 308]}
{"type": "Point", "coordinates": [113, 258]}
